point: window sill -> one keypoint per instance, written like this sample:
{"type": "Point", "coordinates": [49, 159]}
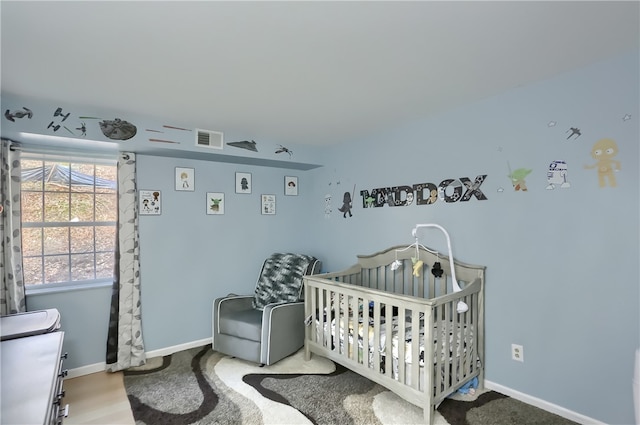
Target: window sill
{"type": "Point", "coordinates": [65, 288]}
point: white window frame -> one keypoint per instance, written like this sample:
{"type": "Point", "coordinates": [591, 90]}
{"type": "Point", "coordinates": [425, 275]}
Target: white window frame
{"type": "Point", "coordinates": [33, 154]}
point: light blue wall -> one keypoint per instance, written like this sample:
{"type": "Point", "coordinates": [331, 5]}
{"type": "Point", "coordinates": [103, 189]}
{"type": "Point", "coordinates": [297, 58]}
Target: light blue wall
{"type": "Point", "coordinates": [189, 258]}
{"type": "Point", "coordinates": [84, 317]}
{"type": "Point", "coordinates": [562, 265]}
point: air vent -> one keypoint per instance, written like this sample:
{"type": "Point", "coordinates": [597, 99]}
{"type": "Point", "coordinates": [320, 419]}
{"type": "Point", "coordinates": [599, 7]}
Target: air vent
{"type": "Point", "coordinates": [209, 139]}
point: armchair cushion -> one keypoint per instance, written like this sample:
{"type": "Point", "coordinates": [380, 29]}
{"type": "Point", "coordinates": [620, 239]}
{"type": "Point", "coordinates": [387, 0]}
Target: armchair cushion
{"type": "Point", "coordinates": [246, 323]}
{"type": "Point", "coordinates": [281, 279]}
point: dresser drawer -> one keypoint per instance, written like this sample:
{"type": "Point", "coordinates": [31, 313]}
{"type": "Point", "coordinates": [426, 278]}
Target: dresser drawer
{"type": "Point", "coordinates": [32, 379]}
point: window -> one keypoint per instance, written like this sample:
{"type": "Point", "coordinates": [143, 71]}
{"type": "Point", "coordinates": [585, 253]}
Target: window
{"type": "Point", "coordinates": [69, 213]}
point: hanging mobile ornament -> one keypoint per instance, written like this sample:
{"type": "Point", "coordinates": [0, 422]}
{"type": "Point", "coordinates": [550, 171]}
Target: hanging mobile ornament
{"type": "Point", "coordinates": [417, 262]}
{"type": "Point", "coordinates": [436, 270]}
{"type": "Point", "coordinates": [396, 264]}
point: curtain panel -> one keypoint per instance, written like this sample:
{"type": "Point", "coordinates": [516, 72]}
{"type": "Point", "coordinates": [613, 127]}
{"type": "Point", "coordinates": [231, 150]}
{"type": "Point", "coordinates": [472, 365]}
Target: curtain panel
{"type": "Point", "coordinates": [12, 298]}
{"type": "Point", "coordinates": [125, 347]}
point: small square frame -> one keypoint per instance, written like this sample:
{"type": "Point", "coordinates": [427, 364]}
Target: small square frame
{"type": "Point", "coordinates": [150, 202]}
{"type": "Point", "coordinates": [185, 179]}
{"type": "Point", "coordinates": [268, 204]}
{"type": "Point", "coordinates": [290, 185]}
{"type": "Point", "coordinates": [243, 183]}
{"type": "Point", "coordinates": [215, 203]}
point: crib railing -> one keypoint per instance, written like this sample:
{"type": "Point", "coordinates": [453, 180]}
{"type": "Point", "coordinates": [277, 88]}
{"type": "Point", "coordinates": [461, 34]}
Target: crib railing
{"type": "Point", "coordinates": [345, 324]}
{"type": "Point", "coordinates": [430, 280]}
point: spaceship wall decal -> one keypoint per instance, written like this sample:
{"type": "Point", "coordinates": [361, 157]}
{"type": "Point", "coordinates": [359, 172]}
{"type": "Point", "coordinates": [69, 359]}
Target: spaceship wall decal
{"type": "Point", "coordinates": [245, 144]}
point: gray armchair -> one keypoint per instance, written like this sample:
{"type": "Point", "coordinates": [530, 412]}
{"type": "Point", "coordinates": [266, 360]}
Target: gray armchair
{"type": "Point", "coordinates": [269, 325]}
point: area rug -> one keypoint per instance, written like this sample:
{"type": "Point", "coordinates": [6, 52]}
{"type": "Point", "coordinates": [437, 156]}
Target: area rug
{"type": "Point", "coordinates": [201, 386]}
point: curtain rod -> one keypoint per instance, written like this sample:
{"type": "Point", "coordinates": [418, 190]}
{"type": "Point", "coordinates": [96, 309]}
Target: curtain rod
{"type": "Point", "coordinates": [58, 154]}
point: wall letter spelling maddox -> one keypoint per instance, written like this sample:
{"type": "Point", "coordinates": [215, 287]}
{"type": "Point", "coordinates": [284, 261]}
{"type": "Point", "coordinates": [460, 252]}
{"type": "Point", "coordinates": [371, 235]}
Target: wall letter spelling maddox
{"type": "Point", "coordinates": [426, 193]}
{"type": "Point", "coordinates": [473, 188]}
{"type": "Point", "coordinates": [457, 190]}
{"type": "Point", "coordinates": [397, 196]}
{"type": "Point", "coordinates": [368, 201]}
{"type": "Point", "coordinates": [377, 198]}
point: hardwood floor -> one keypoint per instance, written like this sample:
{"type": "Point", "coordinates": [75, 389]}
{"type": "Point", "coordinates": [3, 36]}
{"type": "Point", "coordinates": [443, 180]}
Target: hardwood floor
{"type": "Point", "coordinates": [98, 398]}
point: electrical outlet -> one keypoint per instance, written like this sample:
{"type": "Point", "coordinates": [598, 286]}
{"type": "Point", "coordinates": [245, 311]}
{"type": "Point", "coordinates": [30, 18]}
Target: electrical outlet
{"type": "Point", "coordinates": [517, 352]}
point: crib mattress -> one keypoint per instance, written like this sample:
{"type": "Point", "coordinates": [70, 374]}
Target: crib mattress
{"type": "Point", "coordinates": [449, 341]}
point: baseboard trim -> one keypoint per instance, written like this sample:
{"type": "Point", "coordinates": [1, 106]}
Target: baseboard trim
{"type": "Point", "coordinates": [542, 404]}
{"type": "Point", "coordinates": [101, 367]}
{"type": "Point", "coordinates": [180, 347]}
{"type": "Point", "coordinates": [86, 370]}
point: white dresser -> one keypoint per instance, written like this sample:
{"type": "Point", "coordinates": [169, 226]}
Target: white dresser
{"type": "Point", "coordinates": [31, 380]}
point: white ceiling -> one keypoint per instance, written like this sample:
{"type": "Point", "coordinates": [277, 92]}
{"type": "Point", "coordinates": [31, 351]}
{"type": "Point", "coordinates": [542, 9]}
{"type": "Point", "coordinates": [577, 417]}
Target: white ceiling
{"type": "Point", "coordinates": [299, 72]}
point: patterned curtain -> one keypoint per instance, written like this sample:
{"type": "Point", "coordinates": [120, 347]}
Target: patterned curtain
{"type": "Point", "coordinates": [12, 299]}
{"type": "Point", "coordinates": [124, 344]}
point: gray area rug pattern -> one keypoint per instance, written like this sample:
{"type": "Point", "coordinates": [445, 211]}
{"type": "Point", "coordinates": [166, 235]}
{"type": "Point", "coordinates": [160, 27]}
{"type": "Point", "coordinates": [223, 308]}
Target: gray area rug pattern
{"type": "Point", "coordinates": [201, 386]}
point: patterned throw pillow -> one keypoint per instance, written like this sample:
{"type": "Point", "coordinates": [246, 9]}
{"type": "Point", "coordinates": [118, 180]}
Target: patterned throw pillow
{"type": "Point", "coordinates": [281, 279]}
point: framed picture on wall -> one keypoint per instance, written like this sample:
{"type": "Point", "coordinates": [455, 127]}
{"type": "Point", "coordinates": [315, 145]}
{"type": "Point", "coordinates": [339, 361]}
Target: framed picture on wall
{"type": "Point", "coordinates": [290, 185]}
{"type": "Point", "coordinates": [150, 202]}
{"type": "Point", "coordinates": [268, 204]}
{"type": "Point", "coordinates": [243, 182]}
{"type": "Point", "coordinates": [215, 203]}
{"type": "Point", "coordinates": [185, 179]}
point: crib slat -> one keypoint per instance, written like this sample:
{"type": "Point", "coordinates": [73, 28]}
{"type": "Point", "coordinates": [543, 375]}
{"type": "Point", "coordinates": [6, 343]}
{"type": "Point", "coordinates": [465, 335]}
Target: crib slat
{"type": "Point", "coordinates": [376, 335]}
{"type": "Point", "coordinates": [449, 353]}
{"type": "Point", "coordinates": [365, 327]}
{"type": "Point", "coordinates": [474, 345]}
{"type": "Point", "coordinates": [415, 348]}
{"type": "Point", "coordinates": [468, 338]}
{"type": "Point", "coordinates": [344, 323]}
{"type": "Point", "coordinates": [473, 329]}
{"type": "Point", "coordinates": [388, 344]}
{"type": "Point", "coordinates": [331, 320]}
{"type": "Point", "coordinates": [326, 334]}
{"type": "Point", "coordinates": [463, 349]}
{"type": "Point", "coordinates": [400, 275]}
{"type": "Point", "coordinates": [444, 348]}
{"type": "Point", "coordinates": [321, 317]}
{"type": "Point", "coordinates": [391, 277]}
{"type": "Point", "coordinates": [353, 320]}
{"type": "Point", "coordinates": [401, 338]}
{"type": "Point", "coordinates": [455, 358]}
{"type": "Point", "coordinates": [339, 322]}
{"type": "Point", "coordinates": [438, 367]}
{"type": "Point", "coordinates": [431, 292]}
{"type": "Point", "coordinates": [316, 310]}
{"type": "Point", "coordinates": [428, 355]}
{"type": "Point", "coordinates": [410, 279]}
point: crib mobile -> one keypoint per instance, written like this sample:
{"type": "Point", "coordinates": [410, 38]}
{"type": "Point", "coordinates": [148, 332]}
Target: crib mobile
{"type": "Point", "coordinates": [436, 270]}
